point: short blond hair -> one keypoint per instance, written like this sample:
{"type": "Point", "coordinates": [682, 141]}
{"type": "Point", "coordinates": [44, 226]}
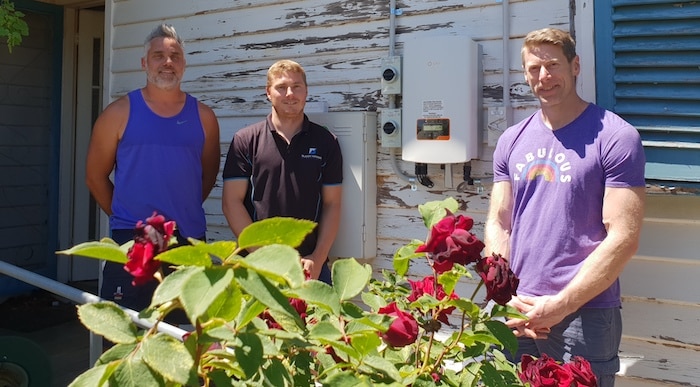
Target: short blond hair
{"type": "Point", "coordinates": [553, 36]}
{"type": "Point", "coordinates": [283, 66]}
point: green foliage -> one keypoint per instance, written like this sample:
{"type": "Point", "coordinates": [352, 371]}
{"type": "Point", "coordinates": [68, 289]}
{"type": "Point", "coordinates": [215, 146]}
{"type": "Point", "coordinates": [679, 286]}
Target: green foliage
{"type": "Point", "coordinates": [230, 300]}
{"type": "Point", "coordinates": [12, 24]}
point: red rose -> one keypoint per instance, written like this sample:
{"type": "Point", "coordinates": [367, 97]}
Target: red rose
{"type": "Point", "coordinates": [403, 330]}
{"type": "Point", "coordinates": [451, 242]}
{"type": "Point", "coordinates": [141, 264]}
{"type": "Point", "coordinates": [150, 239]}
{"type": "Point", "coordinates": [544, 372]}
{"type": "Point", "coordinates": [581, 371]}
{"type": "Point", "coordinates": [501, 283]}
{"type": "Point", "coordinates": [155, 231]}
{"type": "Point", "coordinates": [299, 305]}
{"type": "Point", "coordinates": [428, 286]}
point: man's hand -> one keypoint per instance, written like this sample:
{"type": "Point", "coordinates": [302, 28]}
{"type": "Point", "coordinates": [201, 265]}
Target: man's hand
{"type": "Point", "coordinates": [309, 265]}
{"type": "Point", "coordinates": [521, 327]}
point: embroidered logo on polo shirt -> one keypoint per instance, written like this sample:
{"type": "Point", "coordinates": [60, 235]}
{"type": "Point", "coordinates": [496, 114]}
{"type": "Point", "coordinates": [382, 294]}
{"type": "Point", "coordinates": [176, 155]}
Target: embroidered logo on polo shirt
{"type": "Point", "coordinates": [312, 154]}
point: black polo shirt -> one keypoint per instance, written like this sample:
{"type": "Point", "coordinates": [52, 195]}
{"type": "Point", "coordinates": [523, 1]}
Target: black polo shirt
{"type": "Point", "coordinates": [285, 180]}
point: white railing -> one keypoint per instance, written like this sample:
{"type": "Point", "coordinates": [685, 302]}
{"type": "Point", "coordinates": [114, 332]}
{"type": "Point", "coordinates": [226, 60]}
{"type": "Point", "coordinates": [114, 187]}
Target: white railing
{"type": "Point", "coordinates": [82, 297]}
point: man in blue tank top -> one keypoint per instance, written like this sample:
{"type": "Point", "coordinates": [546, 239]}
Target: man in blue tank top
{"type": "Point", "coordinates": [566, 211]}
{"type": "Point", "coordinates": [163, 146]}
{"type": "Point", "coordinates": [286, 166]}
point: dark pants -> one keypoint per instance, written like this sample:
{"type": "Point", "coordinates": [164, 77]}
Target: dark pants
{"type": "Point", "coordinates": [325, 275]}
{"type": "Point", "coordinates": [117, 287]}
{"type": "Point", "coordinates": [592, 333]}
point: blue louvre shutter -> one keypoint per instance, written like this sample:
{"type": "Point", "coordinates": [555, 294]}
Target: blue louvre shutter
{"type": "Point", "coordinates": [648, 72]}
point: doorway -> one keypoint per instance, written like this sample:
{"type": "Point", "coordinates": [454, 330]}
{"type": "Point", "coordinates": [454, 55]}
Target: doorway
{"type": "Point", "coordinates": [89, 65]}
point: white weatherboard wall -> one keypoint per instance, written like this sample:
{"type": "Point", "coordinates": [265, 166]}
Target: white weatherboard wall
{"type": "Point", "coordinates": [342, 44]}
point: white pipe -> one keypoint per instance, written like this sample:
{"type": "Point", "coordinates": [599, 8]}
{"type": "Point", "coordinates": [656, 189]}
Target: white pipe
{"type": "Point", "coordinates": [80, 296]}
{"type": "Point", "coordinates": [392, 98]}
{"type": "Point", "coordinates": [506, 62]}
{"type": "Point", "coordinates": [392, 26]}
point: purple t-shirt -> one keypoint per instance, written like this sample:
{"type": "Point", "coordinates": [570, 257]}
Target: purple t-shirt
{"type": "Point", "coordinates": [558, 179]}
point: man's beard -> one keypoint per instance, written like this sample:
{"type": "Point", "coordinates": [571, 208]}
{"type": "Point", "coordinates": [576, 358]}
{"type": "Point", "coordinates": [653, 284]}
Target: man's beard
{"type": "Point", "coordinates": [161, 83]}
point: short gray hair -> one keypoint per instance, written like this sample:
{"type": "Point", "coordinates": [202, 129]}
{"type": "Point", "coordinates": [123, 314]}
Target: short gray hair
{"type": "Point", "coordinates": [163, 31]}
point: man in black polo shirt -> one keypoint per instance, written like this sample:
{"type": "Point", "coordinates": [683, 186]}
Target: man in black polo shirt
{"type": "Point", "coordinates": [286, 166]}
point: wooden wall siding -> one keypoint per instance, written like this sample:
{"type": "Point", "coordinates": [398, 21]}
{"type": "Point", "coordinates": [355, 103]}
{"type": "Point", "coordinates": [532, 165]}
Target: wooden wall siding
{"type": "Point", "coordinates": [25, 136]}
{"type": "Point", "coordinates": [230, 45]}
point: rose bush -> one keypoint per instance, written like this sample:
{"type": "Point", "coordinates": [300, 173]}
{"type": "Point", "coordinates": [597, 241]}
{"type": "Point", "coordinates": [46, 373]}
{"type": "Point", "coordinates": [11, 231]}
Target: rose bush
{"type": "Point", "coordinates": [545, 371]}
{"type": "Point", "coordinates": [258, 320]}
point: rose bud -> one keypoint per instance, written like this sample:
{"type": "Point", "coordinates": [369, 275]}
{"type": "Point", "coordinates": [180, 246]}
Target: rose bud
{"type": "Point", "coordinates": [501, 283]}
{"type": "Point", "coordinates": [403, 330]}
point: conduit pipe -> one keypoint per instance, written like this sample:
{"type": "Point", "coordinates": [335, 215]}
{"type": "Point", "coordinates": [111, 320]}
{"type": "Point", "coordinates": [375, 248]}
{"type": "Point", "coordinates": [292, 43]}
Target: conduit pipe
{"type": "Point", "coordinates": [392, 98]}
{"type": "Point", "coordinates": [506, 62]}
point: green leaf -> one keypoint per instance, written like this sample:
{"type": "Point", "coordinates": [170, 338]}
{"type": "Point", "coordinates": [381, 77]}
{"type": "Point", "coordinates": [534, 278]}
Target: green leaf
{"type": "Point", "coordinates": [94, 377]}
{"type": "Point", "coordinates": [319, 294]}
{"type": "Point", "coordinates": [381, 364]}
{"type": "Point", "coordinates": [219, 249]}
{"type": "Point", "coordinates": [186, 255]}
{"type": "Point", "coordinates": [249, 352]}
{"type": "Point", "coordinates": [169, 357]}
{"type": "Point", "coordinates": [105, 249]}
{"type": "Point", "coordinates": [290, 322]}
{"type": "Point", "coordinates": [351, 310]}
{"type": "Point", "coordinates": [480, 337]}
{"type": "Point", "coordinates": [467, 306]}
{"type": "Point", "coordinates": [374, 322]}
{"type": "Point", "coordinates": [433, 212]}
{"type": "Point", "coordinates": [350, 277]}
{"type": "Point", "coordinates": [202, 288]}
{"type": "Point", "coordinates": [301, 363]}
{"type": "Point", "coordinates": [507, 312]}
{"type": "Point", "coordinates": [366, 342]}
{"type": "Point", "coordinates": [347, 379]}
{"type": "Point", "coordinates": [404, 255]}
{"type": "Point", "coordinates": [172, 285]}
{"type": "Point", "coordinates": [133, 372]}
{"type": "Point", "coordinates": [470, 375]}
{"type": "Point", "coordinates": [449, 279]}
{"type": "Point", "coordinates": [108, 320]}
{"type": "Point", "coordinates": [503, 334]}
{"type": "Point", "coordinates": [374, 301]}
{"type": "Point", "coordinates": [116, 353]}
{"type": "Point", "coordinates": [265, 292]}
{"type": "Point", "coordinates": [220, 378]}
{"type": "Point", "coordinates": [324, 330]}
{"type": "Point", "coordinates": [278, 262]}
{"type": "Point", "coordinates": [227, 305]}
{"type": "Point", "coordinates": [252, 309]}
{"type": "Point", "coordinates": [219, 332]}
{"type": "Point", "coordinates": [276, 230]}
{"type": "Point", "coordinates": [276, 374]}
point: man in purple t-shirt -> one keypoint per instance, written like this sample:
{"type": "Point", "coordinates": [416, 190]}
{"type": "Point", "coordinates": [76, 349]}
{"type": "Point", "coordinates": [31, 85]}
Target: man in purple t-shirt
{"type": "Point", "coordinates": [566, 211]}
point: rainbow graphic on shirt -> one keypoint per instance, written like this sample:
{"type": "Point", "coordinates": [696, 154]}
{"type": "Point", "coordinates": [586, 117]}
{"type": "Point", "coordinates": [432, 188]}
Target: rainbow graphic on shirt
{"type": "Point", "coordinates": [547, 169]}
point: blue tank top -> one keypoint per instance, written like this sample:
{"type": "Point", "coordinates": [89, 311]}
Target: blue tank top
{"type": "Point", "coordinates": [159, 168]}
